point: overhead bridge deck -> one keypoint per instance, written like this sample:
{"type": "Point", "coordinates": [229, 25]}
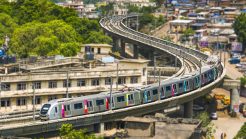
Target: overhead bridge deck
{"type": "Point", "coordinates": [114, 26]}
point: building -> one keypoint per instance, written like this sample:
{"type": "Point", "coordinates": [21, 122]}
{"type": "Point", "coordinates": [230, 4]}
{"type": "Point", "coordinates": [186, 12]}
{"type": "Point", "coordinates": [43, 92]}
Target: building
{"type": "Point", "coordinates": [51, 79]}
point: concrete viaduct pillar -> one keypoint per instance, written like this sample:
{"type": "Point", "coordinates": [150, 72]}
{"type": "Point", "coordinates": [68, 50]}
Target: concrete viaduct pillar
{"type": "Point", "coordinates": [151, 57]}
{"type": "Point", "coordinates": [102, 127]}
{"type": "Point", "coordinates": [188, 109]}
{"type": "Point", "coordinates": [123, 49]}
{"type": "Point", "coordinates": [135, 51]}
{"type": "Point", "coordinates": [116, 44]}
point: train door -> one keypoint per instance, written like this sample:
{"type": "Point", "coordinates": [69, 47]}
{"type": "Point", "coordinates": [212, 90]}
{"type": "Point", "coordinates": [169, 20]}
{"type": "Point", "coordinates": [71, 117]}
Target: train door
{"type": "Point", "coordinates": [162, 93]}
{"type": "Point", "coordinates": [109, 104]}
{"type": "Point", "coordinates": [100, 105]}
{"type": "Point", "coordinates": [130, 100]}
{"type": "Point", "coordinates": [147, 97]}
{"type": "Point", "coordinates": [90, 106]}
{"type": "Point", "coordinates": [168, 92]}
{"type": "Point", "coordinates": [56, 112]}
{"type": "Point", "coordinates": [154, 95]}
{"type": "Point", "coordinates": [67, 109]}
{"type": "Point", "coordinates": [174, 90]}
{"type": "Point", "coordinates": [62, 111]}
{"type": "Point", "coordinates": [181, 87]}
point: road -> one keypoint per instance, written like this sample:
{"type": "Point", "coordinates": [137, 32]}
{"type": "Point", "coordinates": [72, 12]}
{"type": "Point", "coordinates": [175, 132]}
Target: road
{"type": "Point", "coordinates": [228, 125]}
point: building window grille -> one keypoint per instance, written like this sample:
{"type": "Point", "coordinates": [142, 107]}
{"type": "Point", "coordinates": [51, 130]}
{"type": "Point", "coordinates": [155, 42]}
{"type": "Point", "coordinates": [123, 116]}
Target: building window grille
{"type": "Point", "coordinates": [95, 82]}
{"type": "Point", "coordinates": [65, 83]}
{"type": "Point", "coordinates": [99, 50]}
{"type": "Point", "coordinates": [80, 82]}
{"type": "Point", "coordinates": [121, 80]}
{"type": "Point", "coordinates": [51, 98]}
{"type": "Point", "coordinates": [37, 100]}
{"type": "Point", "coordinates": [52, 84]}
{"type": "Point", "coordinates": [134, 80]}
{"type": "Point", "coordinates": [5, 102]}
{"type": "Point", "coordinates": [36, 85]}
{"type": "Point", "coordinates": [21, 86]}
{"type": "Point", "coordinates": [69, 95]}
{"type": "Point", "coordinates": [21, 101]}
{"type": "Point", "coordinates": [5, 86]}
{"type": "Point", "coordinates": [107, 81]}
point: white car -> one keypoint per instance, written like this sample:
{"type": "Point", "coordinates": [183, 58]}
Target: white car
{"type": "Point", "coordinates": [238, 65]}
{"type": "Point", "coordinates": [213, 116]}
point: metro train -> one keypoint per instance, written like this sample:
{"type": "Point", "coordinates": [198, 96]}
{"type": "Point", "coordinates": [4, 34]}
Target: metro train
{"type": "Point", "coordinates": [68, 107]}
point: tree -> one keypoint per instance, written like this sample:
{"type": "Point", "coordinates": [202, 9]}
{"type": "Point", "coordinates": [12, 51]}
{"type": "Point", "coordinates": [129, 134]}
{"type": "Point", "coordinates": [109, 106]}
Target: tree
{"type": "Point", "coordinates": [241, 133]}
{"type": "Point", "coordinates": [204, 118]}
{"type": "Point", "coordinates": [98, 37]}
{"type": "Point", "coordinates": [240, 28]}
{"type": "Point", "coordinates": [67, 132]}
{"type": "Point", "coordinates": [7, 26]}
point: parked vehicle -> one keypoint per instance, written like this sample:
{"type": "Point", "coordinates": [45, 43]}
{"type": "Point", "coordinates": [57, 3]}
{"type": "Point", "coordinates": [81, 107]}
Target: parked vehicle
{"type": "Point", "coordinates": [213, 116]}
{"type": "Point", "coordinates": [234, 60]}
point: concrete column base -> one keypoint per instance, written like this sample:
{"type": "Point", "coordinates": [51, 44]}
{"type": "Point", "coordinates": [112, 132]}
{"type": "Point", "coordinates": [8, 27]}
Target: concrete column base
{"type": "Point", "coordinates": [188, 109]}
{"type": "Point", "coordinates": [135, 51]}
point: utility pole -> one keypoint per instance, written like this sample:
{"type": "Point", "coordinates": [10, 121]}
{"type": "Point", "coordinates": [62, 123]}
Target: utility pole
{"type": "Point", "coordinates": [137, 24]}
{"type": "Point", "coordinates": [159, 95]}
{"type": "Point", "coordinates": [200, 74]}
{"type": "Point", "coordinates": [117, 75]}
{"type": "Point", "coordinates": [67, 85]}
{"type": "Point", "coordinates": [34, 100]}
{"type": "Point", "coordinates": [154, 67]}
{"type": "Point", "coordinates": [0, 91]}
{"type": "Point", "coordinates": [111, 99]}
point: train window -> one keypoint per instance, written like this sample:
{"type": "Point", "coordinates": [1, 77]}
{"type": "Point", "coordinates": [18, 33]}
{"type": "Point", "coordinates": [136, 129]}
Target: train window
{"type": "Point", "coordinates": [68, 107]}
{"type": "Point", "coordinates": [148, 93]}
{"type": "Point", "coordinates": [100, 102]}
{"type": "Point", "coordinates": [186, 83]}
{"type": "Point", "coordinates": [89, 103]}
{"type": "Point", "coordinates": [55, 109]}
{"type": "Point", "coordinates": [174, 86]}
{"type": "Point", "coordinates": [120, 99]}
{"type": "Point", "coordinates": [168, 88]}
{"type": "Point", "coordinates": [78, 106]}
{"type": "Point", "coordinates": [180, 85]}
{"type": "Point", "coordinates": [205, 75]}
{"type": "Point", "coordinates": [155, 92]}
{"type": "Point", "coordinates": [130, 97]}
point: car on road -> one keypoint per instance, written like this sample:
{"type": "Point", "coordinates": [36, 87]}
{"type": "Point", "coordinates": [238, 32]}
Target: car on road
{"type": "Point", "coordinates": [198, 108]}
{"type": "Point", "coordinates": [213, 116]}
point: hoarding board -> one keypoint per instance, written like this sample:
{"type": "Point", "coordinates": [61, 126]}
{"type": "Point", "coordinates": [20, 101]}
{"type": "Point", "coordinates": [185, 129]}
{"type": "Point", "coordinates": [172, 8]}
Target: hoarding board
{"type": "Point", "coordinates": [236, 47]}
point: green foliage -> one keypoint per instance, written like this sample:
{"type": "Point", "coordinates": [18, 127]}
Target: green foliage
{"type": "Point", "coordinates": [151, 21]}
{"type": "Point", "coordinates": [211, 129]}
{"type": "Point", "coordinates": [240, 28]}
{"type": "Point", "coordinates": [204, 117]}
{"type": "Point", "coordinates": [67, 132]}
{"type": "Point", "coordinates": [189, 32]}
{"type": "Point", "coordinates": [40, 27]}
{"type": "Point", "coordinates": [106, 10]}
{"type": "Point", "coordinates": [241, 133]}
{"type": "Point", "coordinates": [243, 81]}
{"type": "Point", "coordinates": [167, 38]}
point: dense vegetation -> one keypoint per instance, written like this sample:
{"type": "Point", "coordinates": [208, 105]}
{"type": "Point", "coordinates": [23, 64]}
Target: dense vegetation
{"type": "Point", "coordinates": [240, 28]}
{"type": "Point", "coordinates": [147, 21]}
{"type": "Point", "coordinates": [241, 133]}
{"type": "Point", "coordinates": [39, 27]}
{"type": "Point", "coordinates": [67, 132]}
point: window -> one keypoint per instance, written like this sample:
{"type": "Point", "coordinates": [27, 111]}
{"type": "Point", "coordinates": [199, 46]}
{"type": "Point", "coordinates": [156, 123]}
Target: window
{"type": "Point", "coordinates": [120, 99]}
{"type": "Point", "coordinates": [168, 88]}
{"type": "Point", "coordinates": [21, 86]}
{"type": "Point", "coordinates": [134, 80]}
{"type": "Point", "coordinates": [107, 81]}
{"type": "Point", "coordinates": [21, 101]}
{"type": "Point", "coordinates": [69, 95]}
{"type": "Point", "coordinates": [174, 86]}
{"type": "Point", "coordinates": [121, 80]}
{"type": "Point", "coordinates": [92, 50]}
{"type": "Point", "coordinates": [180, 85]}
{"type": "Point", "coordinates": [56, 110]}
{"type": "Point", "coordinates": [5, 86]}
{"type": "Point", "coordinates": [80, 82]}
{"type": "Point", "coordinates": [78, 106]}
{"type": "Point", "coordinates": [130, 97]}
{"type": "Point", "coordinates": [100, 102]}
{"type": "Point", "coordinates": [37, 100]}
{"type": "Point", "coordinates": [52, 84]}
{"type": "Point", "coordinates": [155, 92]}
{"type": "Point", "coordinates": [186, 83]}
{"type": "Point", "coordinates": [89, 104]}
{"type": "Point", "coordinates": [95, 82]}
{"type": "Point", "coordinates": [67, 107]}
{"type": "Point", "coordinates": [144, 70]}
{"type": "Point", "coordinates": [99, 50]}
{"type": "Point", "coordinates": [51, 98]}
{"type": "Point", "coordinates": [37, 85]}
{"type": "Point", "coordinates": [65, 83]}
{"type": "Point", "coordinates": [148, 93]}
{"type": "Point", "coordinates": [5, 102]}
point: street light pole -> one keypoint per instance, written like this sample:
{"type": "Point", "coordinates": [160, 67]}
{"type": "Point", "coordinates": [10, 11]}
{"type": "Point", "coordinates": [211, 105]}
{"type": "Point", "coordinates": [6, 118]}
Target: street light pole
{"type": "Point", "coordinates": [111, 99]}
{"type": "Point", "coordinates": [159, 92]}
{"type": "Point", "coordinates": [67, 85]}
{"type": "Point", "coordinates": [200, 74]}
{"type": "Point", "coordinates": [117, 75]}
{"type": "Point", "coordinates": [154, 67]}
{"type": "Point", "coordinates": [34, 100]}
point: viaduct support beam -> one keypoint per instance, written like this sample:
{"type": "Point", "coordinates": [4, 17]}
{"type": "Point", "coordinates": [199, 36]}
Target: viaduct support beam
{"type": "Point", "coordinates": [151, 57]}
{"type": "Point", "coordinates": [102, 127]}
{"type": "Point", "coordinates": [116, 44]}
{"type": "Point", "coordinates": [188, 109]}
{"type": "Point", "coordinates": [135, 51]}
{"type": "Point", "coordinates": [123, 49]}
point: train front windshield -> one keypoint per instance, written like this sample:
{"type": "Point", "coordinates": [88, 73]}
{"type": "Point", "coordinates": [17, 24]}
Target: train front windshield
{"type": "Point", "coordinates": [45, 108]}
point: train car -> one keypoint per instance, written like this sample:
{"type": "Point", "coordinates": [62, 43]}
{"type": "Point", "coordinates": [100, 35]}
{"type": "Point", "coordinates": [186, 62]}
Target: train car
{"type": "Point", "coordinates": [125, 99]}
